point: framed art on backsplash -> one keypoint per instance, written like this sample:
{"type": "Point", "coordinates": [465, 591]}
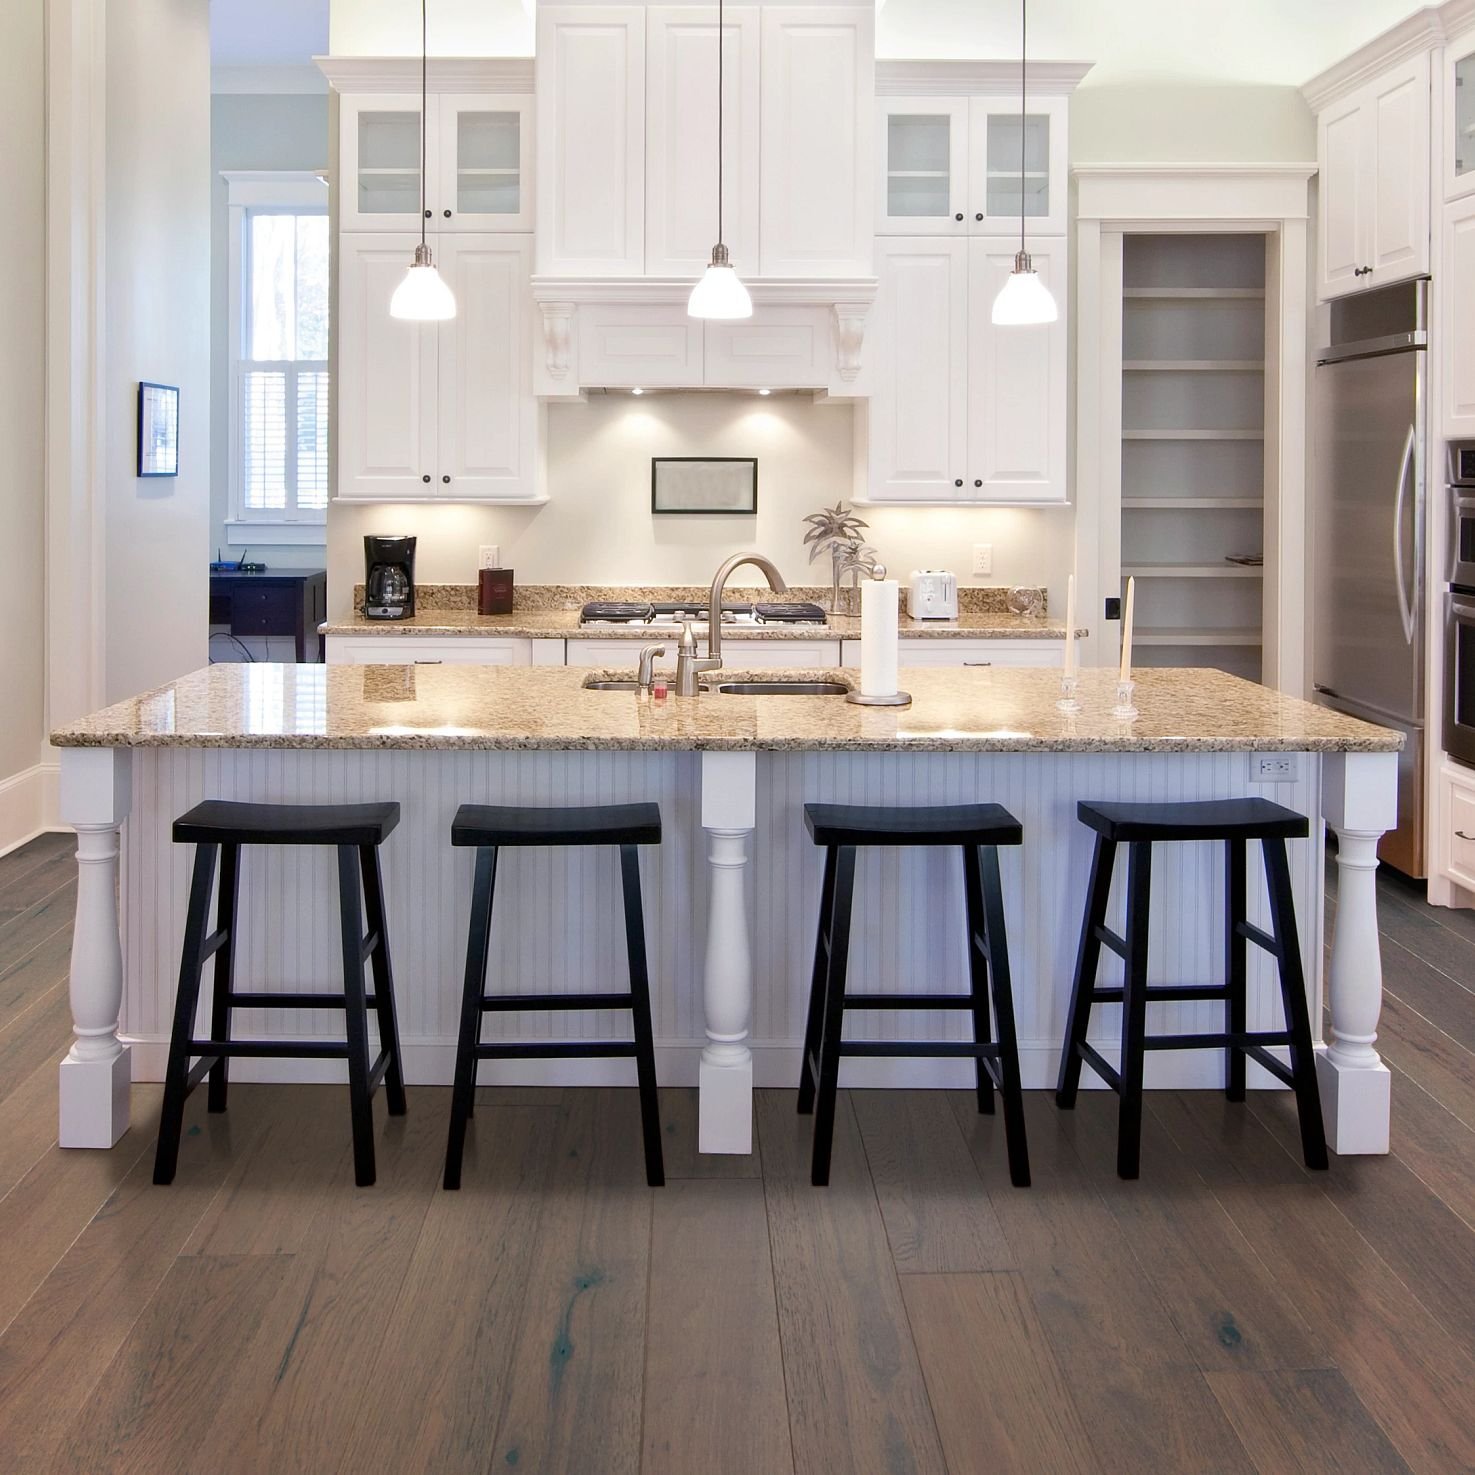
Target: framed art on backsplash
{"type": "Point", "coordinates": [158, 429]}
{"type": "Point", "coordinates": [720, 485]}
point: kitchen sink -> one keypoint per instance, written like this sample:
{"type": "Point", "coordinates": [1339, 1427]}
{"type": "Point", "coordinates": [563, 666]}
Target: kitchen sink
{"type": "Point", "coordinates": [611, 686]}
{"type": "Point", "coordinates": [783, 688]}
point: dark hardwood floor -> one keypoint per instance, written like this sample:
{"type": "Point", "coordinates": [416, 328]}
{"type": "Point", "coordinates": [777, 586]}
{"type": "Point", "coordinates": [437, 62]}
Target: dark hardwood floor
{"type": "Point", "coordinates": [1229, 1312]}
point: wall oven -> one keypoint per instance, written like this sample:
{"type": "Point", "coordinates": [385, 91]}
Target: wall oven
{"type": "Point", "coordinates": [1462, 514]}
{"type": "Point", "coordinates": [1459, 675]}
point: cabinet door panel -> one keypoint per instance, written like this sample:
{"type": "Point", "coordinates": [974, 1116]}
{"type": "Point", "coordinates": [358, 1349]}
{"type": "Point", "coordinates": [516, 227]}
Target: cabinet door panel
{"type": "Point", "coordinates": [379, 161]}
{"type": "Point", "coordinates": [1458, 325]}
{"type": "Point", "coordinates": [994, 166]}
{"type": "Point", "coordinates": [386, 376]}
{"type": "Point", "coordinates": [484, 179]}
{"type": "Point", "coordinates": [919, 403]}
{"type": "Point", "coordinates": [488, 415]}
{"type": "Point", "coordinates": [1459, 117]}
{"type": "Point", "coordinates": [1398, 245]}
{"type": "Point", "coordinates": [1016, 382]}
{"type": "Point", "coordinates": [922, 154]}
{"type": "Point", "coordinates": [1342, 152]}
{"type": "Point", "coordinates": [591, 140]}
{"type": "Point", "coordinates": [818, 112]}
{"type": "Point", "coordinates": [681, 139]}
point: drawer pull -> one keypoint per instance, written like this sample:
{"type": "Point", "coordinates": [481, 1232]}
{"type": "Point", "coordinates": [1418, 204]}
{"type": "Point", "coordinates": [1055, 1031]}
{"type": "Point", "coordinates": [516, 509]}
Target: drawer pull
{"type": "Point", "coordinates": [978, 663]}
{"type": "Point", "coordinates": [429, 661]}
{"type": "Point", "coordinates": [1461, 835]}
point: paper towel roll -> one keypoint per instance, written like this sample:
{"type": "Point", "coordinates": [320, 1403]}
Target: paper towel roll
{"type": "Point", "coordinates": [879, 604]}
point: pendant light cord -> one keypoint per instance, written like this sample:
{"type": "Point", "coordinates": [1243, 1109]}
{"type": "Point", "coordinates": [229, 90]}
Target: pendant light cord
{"type": "Point", "coordinates": [424, 96]}
{"type": "Point", "coordinates": [1023, 55]}
{"type": "Point", "coordinates": [720, 49]}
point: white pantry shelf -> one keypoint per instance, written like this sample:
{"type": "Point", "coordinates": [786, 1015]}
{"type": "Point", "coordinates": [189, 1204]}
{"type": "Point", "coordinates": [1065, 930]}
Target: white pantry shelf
{"type": "Point", "coordinates": [1192, 504]}
{"type": "Point", "coordinates": [1193, 366]}
{"type": "Point", "coordinates": [1193, 435]}
{"type": "Point", "coordinates": [1192, 571]}
{"type": "Point", "coordinates": [1196, 635]}
{"type": "Point", "coordinates": [1194, 294]}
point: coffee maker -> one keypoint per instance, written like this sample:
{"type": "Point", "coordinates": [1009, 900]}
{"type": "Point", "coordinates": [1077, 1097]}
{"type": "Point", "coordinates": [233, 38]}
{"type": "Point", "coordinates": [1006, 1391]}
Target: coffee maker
{"type": "Point", "coordinates": [389, 578]}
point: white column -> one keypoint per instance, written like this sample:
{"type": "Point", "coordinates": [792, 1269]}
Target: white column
{"type": "Point", "coordinates": [96, 789]}
{"type": "Point", "coordinates": [1359, 799]}
{"type": "Point", "coordinates": [729, 813]}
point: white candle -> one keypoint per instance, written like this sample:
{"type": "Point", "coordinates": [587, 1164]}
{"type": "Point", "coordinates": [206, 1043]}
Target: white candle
{"type": "Point", "coordinates": [1126, 671]}
{"type": "Point", "coordinates": [879, 607]}
{"type": "Point", "coordinates": [1070, 625]}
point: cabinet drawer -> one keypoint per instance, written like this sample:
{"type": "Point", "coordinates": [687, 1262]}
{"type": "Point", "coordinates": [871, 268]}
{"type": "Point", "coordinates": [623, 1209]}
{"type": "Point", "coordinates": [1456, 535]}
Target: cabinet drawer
{"type": "Point", "coordinates": [941, 652]}
{"type": "Point", "coordinates": [1460, 812]}
{"type": "Point", "coordinates": [411, 650]}
{"type": "Point", "coordinates": [265, 611]}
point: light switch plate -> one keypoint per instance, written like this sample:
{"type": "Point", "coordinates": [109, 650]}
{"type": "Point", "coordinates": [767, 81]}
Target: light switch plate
{"type": "Point", "coordinates": [983, 559]}
{"type": "Point", "coordinates": [490, 556]}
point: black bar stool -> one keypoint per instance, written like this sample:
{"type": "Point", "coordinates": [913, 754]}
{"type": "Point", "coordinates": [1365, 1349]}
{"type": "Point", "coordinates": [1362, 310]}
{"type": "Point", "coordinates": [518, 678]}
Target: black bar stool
{"type": "Point", "coordinates": [489, 828]}
{"type": "Point", "coordinates": [1233, 822]}
{"type": "Point", "coordinates": [978, 830]}
{"type": "Point", "coordinates": [221, 827]}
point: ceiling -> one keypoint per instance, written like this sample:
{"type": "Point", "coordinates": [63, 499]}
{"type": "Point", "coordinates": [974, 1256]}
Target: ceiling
{"type": "Point", "coordinates": [1131, 41]}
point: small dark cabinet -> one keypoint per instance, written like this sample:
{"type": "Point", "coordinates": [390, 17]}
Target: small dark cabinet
{"type": "Point", "coordinates": [278, 602]}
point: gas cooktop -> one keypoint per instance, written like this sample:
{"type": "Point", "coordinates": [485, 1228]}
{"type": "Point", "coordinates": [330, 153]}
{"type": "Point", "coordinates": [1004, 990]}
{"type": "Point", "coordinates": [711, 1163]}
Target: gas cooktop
{"type": "Point", "coordinates": [611, 612]}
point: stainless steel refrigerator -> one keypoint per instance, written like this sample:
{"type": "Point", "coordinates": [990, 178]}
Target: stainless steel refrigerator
{"type": "Point", "coordinates": [1369, 604]}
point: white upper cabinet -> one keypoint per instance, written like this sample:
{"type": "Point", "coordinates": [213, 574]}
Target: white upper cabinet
{"type": "Point", "coordinates": [961, 410]}
{"type": "Point", "coordinates": [1458, 319]}
{"type": "Point", "coordinates": [681, 138]}
{"type": "Point", "coordinates": [591, 140]}
{"type": "Point", "coordinates": [1459, 116]}
{"type": "Point", "coordinates": [478, 151]}
{"type": "Point", "coordinates": [1373, 151]}
{"type": "Point", "coordinates": [998, 144]}
{"type": "Point", "coordinates": [922, 150]}
{"type": "Point", "coordinates": [817, 118]}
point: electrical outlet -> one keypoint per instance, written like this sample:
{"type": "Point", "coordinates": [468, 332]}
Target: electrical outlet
{"type": "Point", "coordinates": [983, 559]}
{"type": "Point", "coordinates": [1272, 768]}
{"type": "Point", "coordinates": [490, 556]}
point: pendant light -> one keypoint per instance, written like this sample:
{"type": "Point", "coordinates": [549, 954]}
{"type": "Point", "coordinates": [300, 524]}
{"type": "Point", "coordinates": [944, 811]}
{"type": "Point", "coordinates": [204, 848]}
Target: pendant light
{"type": "Point", "coordinates": [1024, 298]}
{"type": "Point", "coordinates": [720, 293]}
{"type": "Point", "coordinates": [422, 297]}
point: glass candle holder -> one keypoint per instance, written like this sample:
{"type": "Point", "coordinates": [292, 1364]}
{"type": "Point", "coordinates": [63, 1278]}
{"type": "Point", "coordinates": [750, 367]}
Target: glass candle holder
{"type": "Point", "coordinates": [1068, 702]}
{"type": "Point", "coordinates": [1125, 708]}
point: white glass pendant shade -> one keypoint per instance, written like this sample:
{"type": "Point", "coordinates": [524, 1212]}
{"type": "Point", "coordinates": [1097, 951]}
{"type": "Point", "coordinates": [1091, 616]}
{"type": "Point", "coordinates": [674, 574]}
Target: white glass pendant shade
{"type": "Point", "coordinates": [422, 297]}
{"type": "Point", "coordinates": [1024, 298]}
{"type": "Point", "coordinates": [720, 293]}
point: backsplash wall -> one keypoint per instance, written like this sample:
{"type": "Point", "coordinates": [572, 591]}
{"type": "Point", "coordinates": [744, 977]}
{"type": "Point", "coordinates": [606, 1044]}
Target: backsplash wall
{"type": "Point", "coordinates": [597, 527]}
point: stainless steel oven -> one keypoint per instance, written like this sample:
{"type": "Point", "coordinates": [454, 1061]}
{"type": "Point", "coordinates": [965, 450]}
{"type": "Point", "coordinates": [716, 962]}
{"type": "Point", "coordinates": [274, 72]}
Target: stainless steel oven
{"type": "Point", "coordinates": [1459, 675]}
{"type": "Point", "coordinates": [1462, 514]}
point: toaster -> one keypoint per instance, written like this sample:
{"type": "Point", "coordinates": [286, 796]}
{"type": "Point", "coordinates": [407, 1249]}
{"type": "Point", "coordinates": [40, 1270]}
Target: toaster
{"type": "Point", "coordinates": [932, 594]}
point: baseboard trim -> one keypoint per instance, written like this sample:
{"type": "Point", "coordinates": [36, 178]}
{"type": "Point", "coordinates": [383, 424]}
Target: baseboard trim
{"type": "Point", "coordinates": [29, 805]}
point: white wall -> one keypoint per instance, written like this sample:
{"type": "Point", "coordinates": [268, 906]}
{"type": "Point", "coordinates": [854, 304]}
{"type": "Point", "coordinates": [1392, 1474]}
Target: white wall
{"type": "Point", "coordinates": [598, 527]}
{"type": "Point", "coordinates": [250, 131]}
{"type": "Point", "coordinates": [157, 245]}
{"type": "Point", "coordinates": [22, 383]}
{"type": "Point", "coordinates": [1170, 124]}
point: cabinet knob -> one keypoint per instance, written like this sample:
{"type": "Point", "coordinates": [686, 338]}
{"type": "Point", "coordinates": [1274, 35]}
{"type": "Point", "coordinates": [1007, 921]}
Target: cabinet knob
{"type": "Point", "coordinates": [426, 477]}
{"type": "Point", "coordinates": [446, 480]}
{"type": "Point", "coordinates": [429, 213]}
{"type": "Point", "coordinates": [448, 214]}
{"type": "Point", "coordinates": [958, 482]}
{"type": "Point", "coordinates": [978, 481]}
{"type": "Point", "coordinates": [979, 216]}
{"type": "Point", "coordinates": [958, 216]}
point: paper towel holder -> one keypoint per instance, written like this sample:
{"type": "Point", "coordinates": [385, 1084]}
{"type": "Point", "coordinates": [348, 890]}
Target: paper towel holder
{"type": "Point", "coordinates": [875, 569]}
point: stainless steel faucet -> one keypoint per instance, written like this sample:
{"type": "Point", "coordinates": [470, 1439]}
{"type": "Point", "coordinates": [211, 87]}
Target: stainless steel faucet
{"type": "Point", "coordinates": [645, 676]}
{"type": "Point", "coordinates": [688, 666]}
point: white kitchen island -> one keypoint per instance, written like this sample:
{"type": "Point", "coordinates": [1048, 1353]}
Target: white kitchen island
{"type": "Point", "coordinates": [732, 893]}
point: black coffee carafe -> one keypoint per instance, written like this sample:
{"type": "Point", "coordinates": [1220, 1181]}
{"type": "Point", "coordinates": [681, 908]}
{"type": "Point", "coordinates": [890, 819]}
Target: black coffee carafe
{"type": "Point", "coordinates": [389, 578]}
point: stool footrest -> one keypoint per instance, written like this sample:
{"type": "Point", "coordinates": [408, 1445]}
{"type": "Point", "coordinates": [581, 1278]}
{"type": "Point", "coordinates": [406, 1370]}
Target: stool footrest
{"type": "Point", "coordinates": [902, 1049]}
{"type": "Point", "coordinates": [1217, 1041]}
{"type": "Point", "coordinates": [257, 1000]}
{"type": "Point", "coordinates": [269, 1049]}
{"type": "Point", "coordinates": [568, 1050]}
{"type": "Point", "coordinates": [1167, 993]}
{"type": "Point", "coordinates": [515, 1003]}
{"type": "Point", "coordinates": [908, 1001]}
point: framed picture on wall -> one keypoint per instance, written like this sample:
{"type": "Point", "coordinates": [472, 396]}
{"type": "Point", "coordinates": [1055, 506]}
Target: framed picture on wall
{"type": "Point", "coordinates": [158, 430]}
{"type": "Point", "coordinates": [722, 485]}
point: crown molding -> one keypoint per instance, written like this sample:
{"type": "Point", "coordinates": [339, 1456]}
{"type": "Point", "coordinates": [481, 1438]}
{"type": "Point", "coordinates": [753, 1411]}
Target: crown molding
{"type": "Point", "coordinates": [980, 78]}
{"type": "Point", "coordinates": [504, 74]}
{"type": "Point", "coordinates": [1457, 15]}
{"type": "Point", "coordinates": [1422, 31]}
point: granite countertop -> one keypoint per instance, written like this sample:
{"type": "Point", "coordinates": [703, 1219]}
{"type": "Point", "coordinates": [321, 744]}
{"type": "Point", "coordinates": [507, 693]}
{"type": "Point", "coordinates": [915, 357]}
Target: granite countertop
{"type": "Point", "coordinates": [557, 624]}
{"type": "Point", "coordinates": [452, 707]}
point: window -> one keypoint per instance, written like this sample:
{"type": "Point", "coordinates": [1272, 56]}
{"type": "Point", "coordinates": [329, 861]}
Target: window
{"type": "Point", "coordinates": [279, 358]}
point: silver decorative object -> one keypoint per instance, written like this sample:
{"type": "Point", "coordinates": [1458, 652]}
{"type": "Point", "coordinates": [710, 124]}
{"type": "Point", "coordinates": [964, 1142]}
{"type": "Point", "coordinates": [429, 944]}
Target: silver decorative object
{"type": "Point", "coordinates": [837, 531]}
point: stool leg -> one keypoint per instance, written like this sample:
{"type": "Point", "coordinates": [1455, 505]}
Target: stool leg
{"type": "Point", "coordinates": [645, 1054]}
{"type": "Point", "coordinates": [1293, 993]}
{"type": "Point", "coordinates": [834, 1016]}
{"type": "Point", "coordinates": [394, 1079]}
{"type": "Point", "coordinates": [478, 939]}
{"type": "Point", "coordinates": [979, 938]}
{"type": "Point", "coordinates": [186, 1000]}
{"type": "Point", "coordinates": [1134, 1009]}
{"type": "Point", "coordinates": [1236, 965]}
{"type": "Point", "coordinates": [225, 969]}
{"type": "Point", "coordinates": [356, 1016]}
{"type": "Point", "coordinates": [1088, 964]}
{"type": "Point", "coordinates": [984, 862]}
{"type": "Point", "coordinates": [809, 1063]}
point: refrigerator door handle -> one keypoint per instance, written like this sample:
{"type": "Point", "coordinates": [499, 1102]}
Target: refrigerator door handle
{"type": "Point", "coordinates": [1406, 608]}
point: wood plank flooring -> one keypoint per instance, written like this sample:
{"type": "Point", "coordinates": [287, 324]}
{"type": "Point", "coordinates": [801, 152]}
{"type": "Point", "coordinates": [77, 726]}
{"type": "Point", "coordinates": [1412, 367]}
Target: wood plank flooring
{"type": "Point", "coordinates": [1229, 1312]}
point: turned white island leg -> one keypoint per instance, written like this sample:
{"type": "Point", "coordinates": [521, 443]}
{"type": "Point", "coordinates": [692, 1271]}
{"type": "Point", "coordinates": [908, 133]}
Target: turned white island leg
{"type": "Point", "coordinates": [1360, 802]}
{"type": "Point", "coordinates": [96, 789]}
{"type": "Point", "coordinates": [729, 810]}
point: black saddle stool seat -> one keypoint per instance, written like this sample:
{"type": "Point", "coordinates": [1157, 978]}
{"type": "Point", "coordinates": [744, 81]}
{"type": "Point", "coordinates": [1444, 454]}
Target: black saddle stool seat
{"type": "Point", "coordinates": [1233, 823]}
{"type": "Point", "coordinates": [977, 830]}
{"type": "Point", "coordinates": [218, 829]}
{"type": "Point", "coordinates": [490, 828]}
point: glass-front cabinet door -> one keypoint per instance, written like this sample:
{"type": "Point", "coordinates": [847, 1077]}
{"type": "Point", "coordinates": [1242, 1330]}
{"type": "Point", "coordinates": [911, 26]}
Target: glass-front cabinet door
{"type": "Point", "coordinates": [1459, 112]}
{"type": "Point", "coordinates": [924, 166]}
{"type": "Point", "coordinates": [379, 158]}
{"type": "Point", "coordinates": [485, 180]}
{"type": "Point", "coordinates": [1010, 157]}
